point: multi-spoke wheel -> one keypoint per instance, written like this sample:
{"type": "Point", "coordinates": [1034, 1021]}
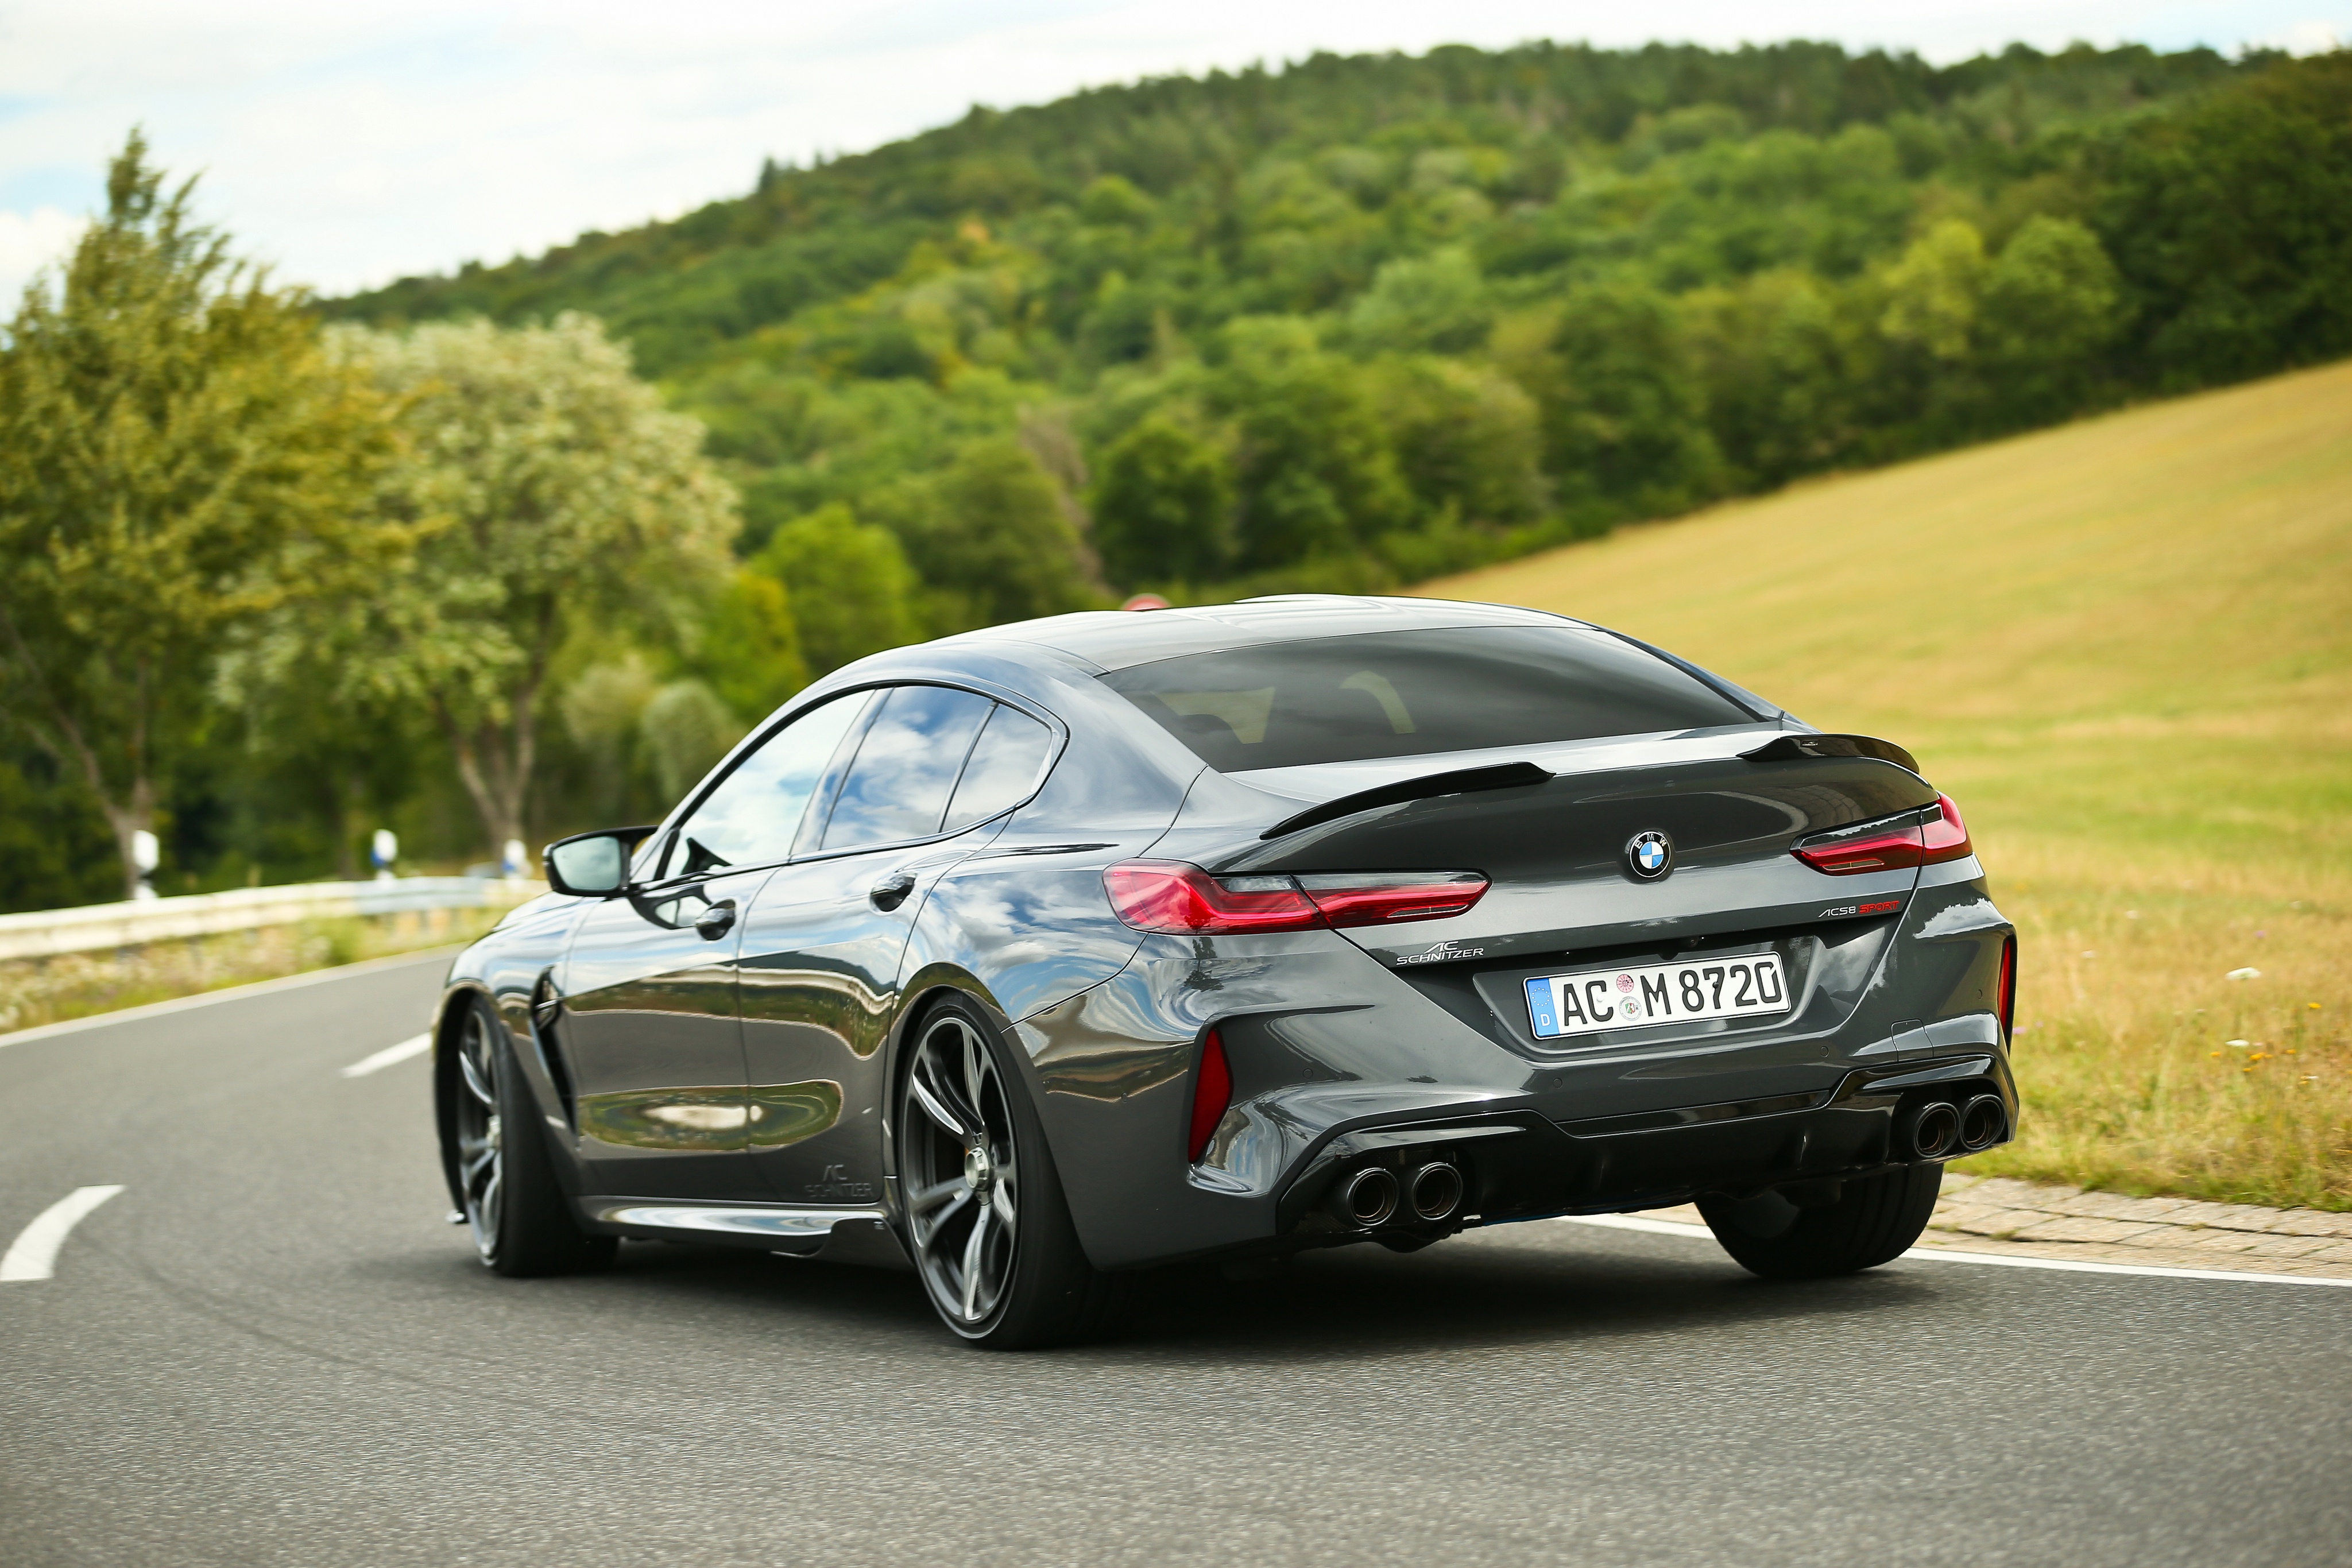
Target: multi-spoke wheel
{"type": "Point", "coordinates": [983, 1211]}
{"type": "Point", "coordinates": [481, 1166]}
{"type": "Point", "coordinates": [499, 1162]}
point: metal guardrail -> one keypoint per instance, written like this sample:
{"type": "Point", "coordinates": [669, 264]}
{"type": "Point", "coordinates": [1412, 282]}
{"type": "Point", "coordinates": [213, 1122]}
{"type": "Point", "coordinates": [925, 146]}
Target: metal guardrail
{"type": "Point", "coordinates": [43, 933]}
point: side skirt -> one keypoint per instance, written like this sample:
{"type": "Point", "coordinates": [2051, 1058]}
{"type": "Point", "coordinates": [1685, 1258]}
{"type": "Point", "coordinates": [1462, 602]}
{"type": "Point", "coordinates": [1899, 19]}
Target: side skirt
{"type": "Point", "coordinates": [835, 1235]}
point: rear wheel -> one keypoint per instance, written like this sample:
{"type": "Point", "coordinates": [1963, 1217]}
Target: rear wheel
{"type": "Point", "coordinates": [1873, 1220]}
{"type": "Point", "coordinates": [986, 1223]}
{"type": "Point", "coordinates": [514, 1205]}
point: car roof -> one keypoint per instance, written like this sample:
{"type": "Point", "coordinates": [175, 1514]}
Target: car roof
{"type": "Point", "coordinates": [1116, 639]}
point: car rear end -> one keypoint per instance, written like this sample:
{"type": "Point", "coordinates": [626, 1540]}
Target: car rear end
{"type": "Point", "coordinates": [1651, 942]}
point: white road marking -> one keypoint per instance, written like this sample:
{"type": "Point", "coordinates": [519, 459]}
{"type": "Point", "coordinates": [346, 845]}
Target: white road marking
{"type": "Point", "coordinates": [226, 994]}
{"type": "Point", "coordinates": [1997, 1260]}
{"type": "Point", "coordinates": [390, 1056]}
{"type": "Point", "coordinates": [34, 1254]}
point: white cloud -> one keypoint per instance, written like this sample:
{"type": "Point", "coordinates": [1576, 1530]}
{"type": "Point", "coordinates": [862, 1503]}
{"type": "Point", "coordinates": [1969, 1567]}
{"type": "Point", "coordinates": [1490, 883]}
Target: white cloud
{"type": "Point", "coordinates": [28, 242]}
{"type": "Point", "coordinates": [354, 143]}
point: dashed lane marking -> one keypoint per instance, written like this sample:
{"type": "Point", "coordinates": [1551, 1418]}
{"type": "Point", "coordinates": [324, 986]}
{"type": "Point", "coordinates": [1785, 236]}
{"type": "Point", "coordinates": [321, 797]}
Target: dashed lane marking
{"type": "Point", "coordinates": [34, 1254]}
{"type": "Point", "coordinates": [390, 1056]}
{"type": "Point", "coordinates": [1998, 1261]}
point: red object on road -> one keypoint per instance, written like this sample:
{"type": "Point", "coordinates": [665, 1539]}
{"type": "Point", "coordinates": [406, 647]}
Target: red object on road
{"type": "Point", "coordinates": [1145, 602]}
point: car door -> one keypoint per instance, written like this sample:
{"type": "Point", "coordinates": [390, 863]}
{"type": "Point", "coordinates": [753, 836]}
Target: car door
{"type": "Point", "coordinates": [650, 1025]}
{"type": "Point", "coordinates": [823, 943]}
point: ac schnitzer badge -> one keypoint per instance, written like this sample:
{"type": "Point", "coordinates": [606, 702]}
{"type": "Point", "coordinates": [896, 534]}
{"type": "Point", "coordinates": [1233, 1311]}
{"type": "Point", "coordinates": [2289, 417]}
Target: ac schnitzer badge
{"type": "Point", "coordinates": [1649, 856]}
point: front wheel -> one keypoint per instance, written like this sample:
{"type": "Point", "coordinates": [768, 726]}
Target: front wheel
{"type": "Point", "coordinates": [985, 1219]}
{"type": "Point", "coordinates": [514, 1204]}
{"type": "Point", "coordinates": [1875, 1219]}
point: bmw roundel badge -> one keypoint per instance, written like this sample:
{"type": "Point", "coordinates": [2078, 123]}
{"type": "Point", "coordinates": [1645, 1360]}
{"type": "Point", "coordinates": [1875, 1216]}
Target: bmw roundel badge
{"type": "Point", "coordinates": [1649, 856]}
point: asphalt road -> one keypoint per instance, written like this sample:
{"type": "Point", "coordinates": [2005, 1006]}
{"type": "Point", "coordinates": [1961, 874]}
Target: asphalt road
{"type": "Point", "coordinates": [270, 1349]}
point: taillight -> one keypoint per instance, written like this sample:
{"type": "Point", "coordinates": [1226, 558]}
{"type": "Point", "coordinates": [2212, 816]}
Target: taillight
{"type": "Point", "coordinates": [1377, 898]}
{"type": "Point", "coordinates": [1178, 899]}
{"type": "Point", "coordinates": [1173, 897]}
{"type": "Point", "coordinates": [1886, 849]}
{"type": "Point", "coordinates": [1212, 1091]}
{"type": "Point", "coordinates": [2006, 997]}
{"type": "Point", "coordinates": [1945, 836]}
{"type": "Point", "coordinates": [1942, 836]}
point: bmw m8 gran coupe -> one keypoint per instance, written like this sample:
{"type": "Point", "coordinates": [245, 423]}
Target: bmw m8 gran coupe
{"type": "Point", "coordinates": [1040, 954]}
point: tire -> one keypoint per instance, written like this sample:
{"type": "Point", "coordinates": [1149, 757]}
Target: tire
{"type": "Point", "coordinates": [1875, 1219]}
{"type": "Point", "coordinates": [521, 1223]}
{"type": "Point", "coordinates": [984, 1217]}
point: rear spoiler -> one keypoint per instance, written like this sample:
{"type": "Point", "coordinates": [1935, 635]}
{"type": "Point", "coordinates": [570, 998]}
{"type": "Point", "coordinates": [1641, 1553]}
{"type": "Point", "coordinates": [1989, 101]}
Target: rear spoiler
{"type": "Point", "coordinates": [1508, 776]}
{"type": "Point", "coordinates": [1790, 748]}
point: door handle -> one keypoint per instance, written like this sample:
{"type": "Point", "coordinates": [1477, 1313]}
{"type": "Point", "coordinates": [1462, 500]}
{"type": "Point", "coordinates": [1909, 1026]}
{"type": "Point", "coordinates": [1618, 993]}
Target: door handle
{"type": "Point", "coordinates": [716, 921]}
{"type": "Point", "coordinates": [892, 891]}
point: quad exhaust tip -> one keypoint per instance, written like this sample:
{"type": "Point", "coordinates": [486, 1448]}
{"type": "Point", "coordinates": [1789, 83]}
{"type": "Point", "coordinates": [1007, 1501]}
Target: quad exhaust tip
{"type": "Point", "coordinates": [1935, 1130]}
{"type": "Point", "coordinates": [1434, 1190]}
{"type": "Point", "coordinates": [1984, 1123]}
{"type": "Point", "coordinates": [1367, 1197]}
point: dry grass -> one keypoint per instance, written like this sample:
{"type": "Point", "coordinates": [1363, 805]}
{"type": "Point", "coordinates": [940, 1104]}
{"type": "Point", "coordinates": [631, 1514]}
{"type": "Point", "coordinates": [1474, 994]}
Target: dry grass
{"type": "Point", "coordinates": [34, 991]}
{"type": "Point", "coordinates": [2126, 648]}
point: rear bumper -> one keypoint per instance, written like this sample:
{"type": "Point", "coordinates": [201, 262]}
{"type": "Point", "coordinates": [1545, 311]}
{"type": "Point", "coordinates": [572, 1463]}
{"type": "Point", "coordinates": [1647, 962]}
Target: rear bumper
{"type": "Point", "coordinates": [1338, 1060]}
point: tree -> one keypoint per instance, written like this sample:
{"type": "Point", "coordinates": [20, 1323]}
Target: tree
{"type": "Point", "coordinates": [992, 540]}
{"type": "Point", "coordinates": [1163, 505]}
{"type": "Point", "coordinates": [556, 498]}
{"type": "Point", "coordinates": [852, 590]}
{"type": "Point", "coordinates": [177, 458]}
{"type": "Point", "coordinates": [2051, 306]}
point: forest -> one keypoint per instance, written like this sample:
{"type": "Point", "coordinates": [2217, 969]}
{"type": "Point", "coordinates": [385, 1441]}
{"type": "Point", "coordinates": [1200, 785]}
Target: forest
{"type": "Point", "coordinates": [1344, 324]}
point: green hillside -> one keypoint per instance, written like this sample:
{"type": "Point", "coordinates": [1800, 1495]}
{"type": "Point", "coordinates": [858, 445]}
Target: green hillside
{"type": "Point", "coordinates": [2125, 647]}
{"type": "Point", "coordinates": [1362, 320]}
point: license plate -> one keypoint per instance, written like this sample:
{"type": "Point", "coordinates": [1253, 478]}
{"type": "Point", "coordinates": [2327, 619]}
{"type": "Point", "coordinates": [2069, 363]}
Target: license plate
{"type": "Point", "coordinates": [1640, 997]}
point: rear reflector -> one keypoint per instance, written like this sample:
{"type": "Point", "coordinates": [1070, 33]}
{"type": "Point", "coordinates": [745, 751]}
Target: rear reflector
{"type": "Point", "coordinates": [1178, 899]}
{"type": "Point", "coordinates": [1212, 1091]}
{"type": "Point", "coordinates": [2006, 998]}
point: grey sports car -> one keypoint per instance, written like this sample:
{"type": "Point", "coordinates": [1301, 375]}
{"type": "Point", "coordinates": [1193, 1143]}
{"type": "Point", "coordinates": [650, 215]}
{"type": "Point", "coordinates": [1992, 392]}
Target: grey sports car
{"type": "Point", "coordinates": [1038, 955]}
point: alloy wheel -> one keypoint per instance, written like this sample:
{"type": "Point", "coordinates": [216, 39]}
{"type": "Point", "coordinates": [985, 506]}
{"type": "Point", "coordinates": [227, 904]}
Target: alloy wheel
{"type": "Point", "coordinates": [961, 1173]}
{"type": "Point", "coordinates": [481, 1158]}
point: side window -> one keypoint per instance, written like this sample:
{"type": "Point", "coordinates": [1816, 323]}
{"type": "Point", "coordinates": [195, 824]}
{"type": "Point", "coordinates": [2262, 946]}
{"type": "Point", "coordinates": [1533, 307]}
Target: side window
{"type": "Point", "coordinates": [1003, 768]}
{"type": "Point", "coordinates": [911, 755]}
{"type": "Point", "coordinates": [752, 816]}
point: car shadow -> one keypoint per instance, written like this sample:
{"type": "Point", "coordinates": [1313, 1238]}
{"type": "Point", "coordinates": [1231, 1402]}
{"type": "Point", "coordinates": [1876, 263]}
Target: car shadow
{"type": "Point", "coordinates": [1492, 1290]}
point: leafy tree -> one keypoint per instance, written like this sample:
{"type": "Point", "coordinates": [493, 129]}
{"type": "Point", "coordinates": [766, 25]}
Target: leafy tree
{"type": "Point", "coordinates": [2051, 306]}
{"type": "Point", "coordinates": [177, 458]}
{"type": "Point", "coordinates": [1163, 503]}
{"type": "Point", "coordinates": [558, 499]}
{"type": "Point", "coordinates": [1469, 439]}
{"type": "Point", "coordinates": [2232, 224]}
{"type": "Point", "coordinates": [1314, 470]}
{"type": "Point", "coordinates": [1623, 409]}
{"type": "Point", "coordinates": [992, 540]}
{"type": "Point", "coordinates": [1437, 303]}
{"type": "Point", "coordinates": [1933, 291]}
{"type": "Point", "coordinates": [852, 591]}
{"type": "Point", "coordinates": [687, 730]}
{"type": "Point", "coordinates": [748, 650]}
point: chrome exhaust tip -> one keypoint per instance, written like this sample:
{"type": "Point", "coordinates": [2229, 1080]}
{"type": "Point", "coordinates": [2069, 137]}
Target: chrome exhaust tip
{"type": "Point", "coordinates": [1983, 1123]}
{"type": "Point", "coordinates": [1366, 1197]}
{"type": "Point", "coordinates": [1434, 1191]}
{"type": "Point", "coordinates": [1935, 1131]}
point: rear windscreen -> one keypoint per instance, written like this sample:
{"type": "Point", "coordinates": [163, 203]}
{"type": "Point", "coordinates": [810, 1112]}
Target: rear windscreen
{"type": "Point", "coordinates": [1404, 694]}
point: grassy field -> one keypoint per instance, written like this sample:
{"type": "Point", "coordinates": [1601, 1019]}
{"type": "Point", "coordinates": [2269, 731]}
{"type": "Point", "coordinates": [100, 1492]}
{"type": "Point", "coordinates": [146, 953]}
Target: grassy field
{"type": "Point", "coordinates": [2125, 647]}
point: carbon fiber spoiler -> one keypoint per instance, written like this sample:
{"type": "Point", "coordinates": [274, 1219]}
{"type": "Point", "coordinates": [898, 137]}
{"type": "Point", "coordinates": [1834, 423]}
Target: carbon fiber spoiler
{"type": "Point", "coordinates": [1507, 775]}
{"type": "Point", "coordinates": [1790, 748]}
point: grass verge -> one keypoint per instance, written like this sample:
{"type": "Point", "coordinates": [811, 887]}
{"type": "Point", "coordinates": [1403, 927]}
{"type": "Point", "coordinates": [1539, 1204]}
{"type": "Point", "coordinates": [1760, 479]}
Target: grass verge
{"type": "Point", "coordinates": [35, 991]}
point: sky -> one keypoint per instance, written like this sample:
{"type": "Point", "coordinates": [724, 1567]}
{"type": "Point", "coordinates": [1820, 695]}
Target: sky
{"type": "Point", "coordinates": [350, 144]}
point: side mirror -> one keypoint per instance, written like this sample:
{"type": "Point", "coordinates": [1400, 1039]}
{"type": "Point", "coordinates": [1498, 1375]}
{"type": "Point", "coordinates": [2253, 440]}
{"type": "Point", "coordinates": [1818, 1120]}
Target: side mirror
{"type": "Point", "coordinates": [592, 865]}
